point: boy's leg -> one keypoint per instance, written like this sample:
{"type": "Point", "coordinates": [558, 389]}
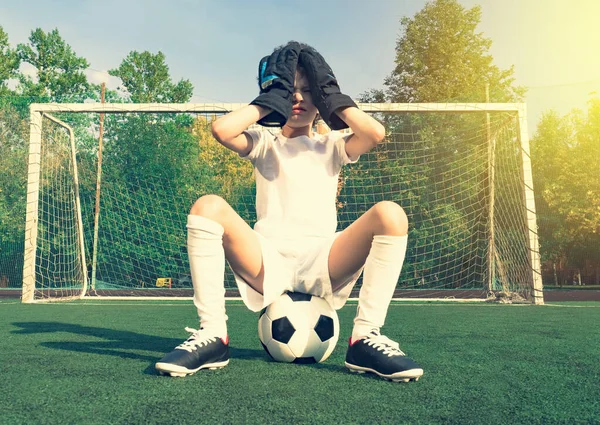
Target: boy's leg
{"type": "Point", "coordinates": [380, 232]}
{"type": "Point", "coordinates": [378, 240]}
{"type": "Point", "coordinates": [241, 245]}
{"type": "Point", "coordinates": [215, 231]}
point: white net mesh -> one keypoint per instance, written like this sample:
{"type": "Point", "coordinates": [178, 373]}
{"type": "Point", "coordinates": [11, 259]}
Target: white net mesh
{"type": "Point", "coordinates": [457, 175]}
{"type": "Point", "coordinates": [59, 268]}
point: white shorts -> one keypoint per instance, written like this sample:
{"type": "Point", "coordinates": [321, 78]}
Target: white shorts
{"type": "Point", "coordinates": [299, 265]}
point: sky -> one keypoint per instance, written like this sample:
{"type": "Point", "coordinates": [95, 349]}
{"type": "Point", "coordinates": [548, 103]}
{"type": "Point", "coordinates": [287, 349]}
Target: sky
{"type": "Point", "coordinates": [216, 44]}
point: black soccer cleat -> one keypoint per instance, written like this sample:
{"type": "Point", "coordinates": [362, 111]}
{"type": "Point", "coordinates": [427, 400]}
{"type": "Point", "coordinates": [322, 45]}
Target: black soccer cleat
{"type": "Point", "coordinates": [380, 355]}
{"type": "Point", "coordinates": [200, 351]}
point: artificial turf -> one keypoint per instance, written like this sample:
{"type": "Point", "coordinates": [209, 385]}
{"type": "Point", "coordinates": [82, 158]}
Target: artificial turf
{"type": "Point", "coordinates": [93, 362]}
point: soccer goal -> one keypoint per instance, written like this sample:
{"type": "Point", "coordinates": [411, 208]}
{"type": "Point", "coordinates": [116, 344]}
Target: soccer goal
{"type": "Point", "coordinates": [110, 186]}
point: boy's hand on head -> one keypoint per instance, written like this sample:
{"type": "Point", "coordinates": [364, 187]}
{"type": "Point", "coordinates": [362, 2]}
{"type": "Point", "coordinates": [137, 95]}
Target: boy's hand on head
{"type": "Point", "coordinates": [276, 75]}
{"type": "Point", "coordinates": [325, 90]}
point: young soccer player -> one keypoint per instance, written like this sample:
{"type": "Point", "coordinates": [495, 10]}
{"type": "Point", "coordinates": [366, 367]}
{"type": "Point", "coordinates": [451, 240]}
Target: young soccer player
{"type": "Point", "coordinates": [294, 245]}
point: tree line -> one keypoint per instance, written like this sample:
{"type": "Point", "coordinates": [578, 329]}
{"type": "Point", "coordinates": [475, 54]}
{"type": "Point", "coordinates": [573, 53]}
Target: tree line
{"type": "Point", "coordinates": [439, 57]}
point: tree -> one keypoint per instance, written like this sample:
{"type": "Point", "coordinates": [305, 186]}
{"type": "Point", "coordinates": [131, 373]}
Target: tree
{"type": "Point", "coordinates": [13, 174]}
{"type": "Point", "coordinates": [148, 145]}
{"type": "Point", "coordinates": [60, 72]}
{"type": "Point", "coordinates": [9, 64]}
{"type": "Point", "coordinates": [151, 170]}
{"type": "Point", "coordinates": [13, 171]}
{"type": "Point", "coordinates": [565, 159]}
{"type": "Point", "coordinates": [231, 176]}
{"type": "Point", "coordinates": [549, 151]}
{"type": "Point", "coordinates": [151, 176]}
{"type": "Point", "coordinates": [441, 58]}
{"type": "Point", "coordinates": [146, 78]}
{"type": "Point", "coordinates": [372, 96]}
{"type": "Point", "coordinates": [13, 194]}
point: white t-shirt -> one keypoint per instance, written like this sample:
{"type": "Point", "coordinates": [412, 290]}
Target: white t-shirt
{"type": "Point", "coordinates": [296, 183]}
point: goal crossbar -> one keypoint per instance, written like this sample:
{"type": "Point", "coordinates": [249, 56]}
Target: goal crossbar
{"type": "Point", "coordinates": [227, 107]}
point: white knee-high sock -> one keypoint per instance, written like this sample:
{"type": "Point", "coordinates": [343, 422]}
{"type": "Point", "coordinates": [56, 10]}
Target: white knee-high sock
{"type": "Point", "coordinates": [381, 273]}
{"type": "Point", "coordinates": [207, 266]}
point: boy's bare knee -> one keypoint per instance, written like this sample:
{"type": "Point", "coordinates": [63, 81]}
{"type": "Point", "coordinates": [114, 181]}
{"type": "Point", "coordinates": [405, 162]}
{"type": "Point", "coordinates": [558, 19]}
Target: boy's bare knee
{"type": "Point", "coordinates": [210, 206]}
{"type": "Point", "coordinates": [391, 218]}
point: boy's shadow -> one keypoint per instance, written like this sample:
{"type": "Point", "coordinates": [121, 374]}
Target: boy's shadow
{"type": "Point", "coordinates": [124, 344]}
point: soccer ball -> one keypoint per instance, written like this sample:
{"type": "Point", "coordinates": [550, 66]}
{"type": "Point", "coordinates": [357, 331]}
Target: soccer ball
{"type": "Point", "coordinates": [298, 328]}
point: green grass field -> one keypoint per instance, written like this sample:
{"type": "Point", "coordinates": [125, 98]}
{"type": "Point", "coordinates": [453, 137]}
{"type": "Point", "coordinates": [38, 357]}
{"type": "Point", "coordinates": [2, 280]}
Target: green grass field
{"type": "Point", "coordinates": [93, 362]}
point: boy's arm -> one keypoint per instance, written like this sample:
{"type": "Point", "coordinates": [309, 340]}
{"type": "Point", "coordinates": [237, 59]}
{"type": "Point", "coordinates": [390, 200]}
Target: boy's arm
{"type": "Point", "coordinates": [368, 132]}
{"type": "Point", "coordinates": [229, 129]}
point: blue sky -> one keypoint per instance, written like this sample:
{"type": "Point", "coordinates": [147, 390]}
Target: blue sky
{"type": "Point", "coordinates": [216, 44]}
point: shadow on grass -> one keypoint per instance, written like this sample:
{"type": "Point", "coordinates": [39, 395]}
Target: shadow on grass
{"type": "Point", "coordinates": [123, 344]}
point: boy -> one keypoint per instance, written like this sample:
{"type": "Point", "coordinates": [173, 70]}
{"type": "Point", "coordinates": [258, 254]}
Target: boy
{"type": "Point", "coordinates": [294, 246]}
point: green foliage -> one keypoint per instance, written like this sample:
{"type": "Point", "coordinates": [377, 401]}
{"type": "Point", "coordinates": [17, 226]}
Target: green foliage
{"type": "Point", "coordinates": [13, 175]}
{"type": "Point", "coordinates": [372, 96]}
{"type": "Point", "coordinates": [13, 195]}
{"type": "Point", "coordinates": [150, 177]}
{"type": "Point", "coordinates": [441, 58]}
{"type": "Point", "coordinates": [439, 198]}
{"type": "Point", "coordinates": [156, 165]}
{"type": "Point", "coordinates": [9, 64]}
{"type": "Point", "coordinates": [146, 78]}
{"type": "Point", "coordinates": [232, 176]}
{"type": "Point", "coordinates": [60, 76]}
{"type": "Point", "coordinates": [154, 169]}
{"type": "Point", "coordinates": [566, 159]}
{"type": "Point", "coordinates": [147, 157]}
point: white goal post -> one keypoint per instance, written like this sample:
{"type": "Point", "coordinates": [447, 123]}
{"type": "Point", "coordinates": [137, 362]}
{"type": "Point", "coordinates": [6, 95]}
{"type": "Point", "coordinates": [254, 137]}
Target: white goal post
{"type": "Point", "coordinates": [464, 179]}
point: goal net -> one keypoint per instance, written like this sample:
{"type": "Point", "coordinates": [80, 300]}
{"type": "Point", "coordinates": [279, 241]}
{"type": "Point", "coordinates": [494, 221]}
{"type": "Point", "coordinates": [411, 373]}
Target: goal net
{"type": "Point", "coordinates": [107, 204]}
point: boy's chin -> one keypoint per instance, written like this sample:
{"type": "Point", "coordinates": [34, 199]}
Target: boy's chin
{"type": "Point", "coordinates": [298, 124]}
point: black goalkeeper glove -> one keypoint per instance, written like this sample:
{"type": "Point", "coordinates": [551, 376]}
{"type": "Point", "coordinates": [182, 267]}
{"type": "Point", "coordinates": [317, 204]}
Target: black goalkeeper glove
{"type": "Point", "coordinates": [324, 88]}
{"type": "Point", "coordinates": [276, 75]}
